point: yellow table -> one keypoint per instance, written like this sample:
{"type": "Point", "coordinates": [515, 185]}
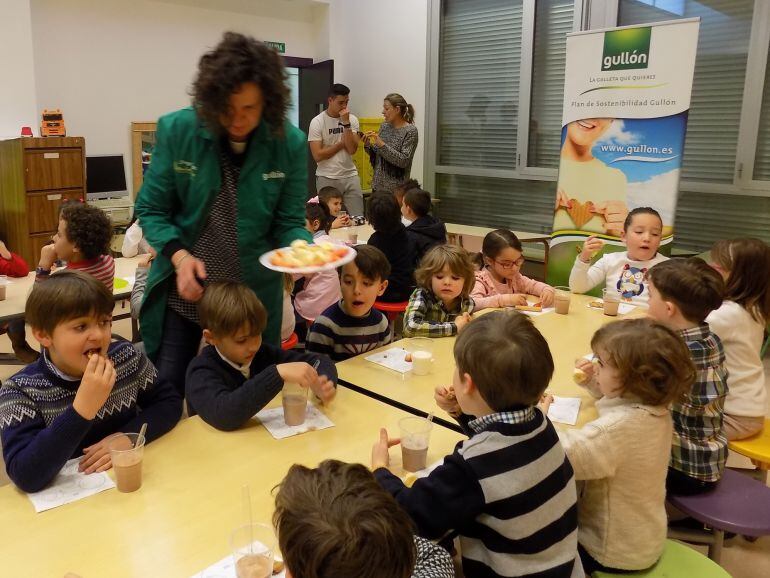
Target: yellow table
{"type": "Point", "coordinates": [179, 522]}
{"type": "Point", "coordinates": [18, 288]}
{"type": "Point", "coordinates": [455, 234]}
{"type": "Point", "coordinates": [569, 337]}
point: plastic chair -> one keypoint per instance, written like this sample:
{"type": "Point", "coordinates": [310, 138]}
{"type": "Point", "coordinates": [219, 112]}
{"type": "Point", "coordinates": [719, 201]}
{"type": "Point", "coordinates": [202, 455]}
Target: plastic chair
{"type": "Point", "coordinates": [757, 448]}
{"type": "Point", "coordinates": [738, 504]}
{"type": "Point", "coordinates": [677, 560]}
{"type": "Point", "coordinates": [391, 310]}
{"type": "Point", "coordinates": [290, 341]}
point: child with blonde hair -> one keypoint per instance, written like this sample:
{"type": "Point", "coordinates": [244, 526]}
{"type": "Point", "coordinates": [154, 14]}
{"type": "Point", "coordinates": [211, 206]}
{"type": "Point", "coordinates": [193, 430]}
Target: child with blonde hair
{"type": "Point", "coordinates": [500, 283]}
{"type": "Point", "coordinates": [639, 368]}
{"type": "Point", "coordinates": [740, 324]}
{"type": "Point", "coordinates": [441, 305]}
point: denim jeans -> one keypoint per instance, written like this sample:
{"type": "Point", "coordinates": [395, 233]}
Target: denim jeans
{"type": "Point", "coordinates": [178, 347]}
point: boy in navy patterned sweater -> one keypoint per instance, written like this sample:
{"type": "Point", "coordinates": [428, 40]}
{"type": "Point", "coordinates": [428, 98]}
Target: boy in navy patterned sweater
{"type": "Point", "coordinates": [509, 490]}
{"type": "Point", "coordinates": [82, 389]}
{"type": "Point", "coordinates": [353, 326]}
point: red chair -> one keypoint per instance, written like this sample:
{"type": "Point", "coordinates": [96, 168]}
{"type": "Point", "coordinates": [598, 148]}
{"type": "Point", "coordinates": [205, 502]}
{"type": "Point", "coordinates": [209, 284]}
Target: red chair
{"type": "Point", "coordinates": [290, 342]}
{"type": "Point", "coordinates": [391, 310]}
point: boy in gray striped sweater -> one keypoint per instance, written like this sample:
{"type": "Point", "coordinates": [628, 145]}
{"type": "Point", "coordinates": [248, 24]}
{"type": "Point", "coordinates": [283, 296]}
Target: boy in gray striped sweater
{"type": "Point", "coordinates": [509, 490]}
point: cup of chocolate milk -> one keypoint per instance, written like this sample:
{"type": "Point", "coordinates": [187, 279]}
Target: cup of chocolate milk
{"type": "Point", "coordinates": [3, 286]}
{"type": "Point", "coordinates": [611, 302]}
{"type": "Point", "coordinates": [253, 548]}
{"type": "Point", "coordinates": [294, 400]}
{"type": "Point", "coordinates": [127, 453]}
{"type": "Point", "coordinates": [415, 438]}
{"type": "Point", "coordinates": [561, 299]}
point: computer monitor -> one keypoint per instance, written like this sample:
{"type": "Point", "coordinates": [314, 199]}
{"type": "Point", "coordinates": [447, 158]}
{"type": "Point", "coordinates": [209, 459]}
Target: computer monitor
{"type": "Point", "coordinates": [105, 177]}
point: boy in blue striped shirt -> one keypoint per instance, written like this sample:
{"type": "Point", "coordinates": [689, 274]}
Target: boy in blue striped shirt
{"type": "Point", "coordinates": [509, 490]}
{"type": "Point", "coordinates": [352, 326]}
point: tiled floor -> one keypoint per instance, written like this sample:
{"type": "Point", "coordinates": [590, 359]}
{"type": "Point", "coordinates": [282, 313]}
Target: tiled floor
{"type": "Point", "coordinates": [740, 558]}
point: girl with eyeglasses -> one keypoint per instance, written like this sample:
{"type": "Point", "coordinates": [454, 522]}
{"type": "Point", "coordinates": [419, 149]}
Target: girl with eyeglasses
{"type": "Point", "coordinates": [500, 283]}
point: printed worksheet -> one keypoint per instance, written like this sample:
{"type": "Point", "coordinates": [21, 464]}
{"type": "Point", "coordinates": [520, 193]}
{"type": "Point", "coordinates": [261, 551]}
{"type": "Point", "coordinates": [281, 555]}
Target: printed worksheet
{"type": "Point", "coordinates": [273, 420]}
{"type": "Point", "coordinates": [69, 485]}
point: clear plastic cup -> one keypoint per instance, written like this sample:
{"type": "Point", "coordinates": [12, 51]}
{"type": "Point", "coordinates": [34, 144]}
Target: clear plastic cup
{"type": "Point", "coordinates": [611, 300]}
{"type": "Point", "coordinates": [421, 350]}
{"type": "Point", "coordinates": [294, 400]}
{"type": "Point", "coordinates": [253, 547]}
{"type": "Point", "coordinates": [561, 299]}
{"type": "Point", "coordinates": [127, 454]}
{"type": "Point", "coordinates": [415, 438]}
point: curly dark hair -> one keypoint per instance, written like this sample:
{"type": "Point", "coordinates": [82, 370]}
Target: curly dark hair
{"type": "Point", "coordinates": [88, 228]}
{"type": "Point", "coordinates": [236, 60]}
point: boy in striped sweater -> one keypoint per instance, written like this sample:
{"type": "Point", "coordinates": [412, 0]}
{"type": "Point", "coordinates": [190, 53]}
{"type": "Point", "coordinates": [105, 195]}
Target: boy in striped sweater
{"type": "Point", "coordinates": [353, 326]}
{"type": "Point", "coordinates": [509, 490]}
{"type": "Point", "coordinates": [83, 241]}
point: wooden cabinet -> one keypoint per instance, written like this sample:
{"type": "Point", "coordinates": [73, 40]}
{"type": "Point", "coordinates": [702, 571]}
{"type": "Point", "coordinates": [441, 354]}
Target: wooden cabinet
{"type": "Point", "coordinates": [36, 176]}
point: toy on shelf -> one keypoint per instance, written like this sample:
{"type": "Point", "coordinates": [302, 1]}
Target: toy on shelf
{"type": "Point", "coordinates": [52, 123]}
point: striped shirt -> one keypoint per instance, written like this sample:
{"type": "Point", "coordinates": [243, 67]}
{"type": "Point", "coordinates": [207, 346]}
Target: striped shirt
{"type": "Point", "coordinates": [341, 336]}
{"type": "Point", "coordinates": [426, 315]}
{"type": "Point", "coordinates": [700, 447]}
{"type": "Point", "coordinates": [102, 267]}
{"type": "Point", "coordinates": [508, 491]}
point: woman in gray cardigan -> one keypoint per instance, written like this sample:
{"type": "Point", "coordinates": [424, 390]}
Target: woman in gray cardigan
{"type": "Point", "coordinates": [392, 149]}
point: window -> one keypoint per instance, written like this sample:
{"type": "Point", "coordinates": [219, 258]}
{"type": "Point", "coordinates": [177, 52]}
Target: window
{"type": "Point", "coordinates": [720, 73]}
{"type": "Point", "coordinates": [479, 69]}
{"type": "Point", "coordinates": [553, 20]}
{"type": "Point", "coordinates": [495, 89]}
{"type": "Point", "coordinates": [498, 91]}
{"type": "Point", "coordinates": [762, 158]}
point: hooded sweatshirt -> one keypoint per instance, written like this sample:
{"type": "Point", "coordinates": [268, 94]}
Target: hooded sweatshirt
{"type": "Point", "coordinates": [426, 232]}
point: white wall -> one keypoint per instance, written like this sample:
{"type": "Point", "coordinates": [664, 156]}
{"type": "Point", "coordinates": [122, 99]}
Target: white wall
{"type": "Point", "coordinates": [380, 47]}
{"type": "Point", "coordinates": [17, 88]}
{"type": "Point", "coordinates": [107, 63]}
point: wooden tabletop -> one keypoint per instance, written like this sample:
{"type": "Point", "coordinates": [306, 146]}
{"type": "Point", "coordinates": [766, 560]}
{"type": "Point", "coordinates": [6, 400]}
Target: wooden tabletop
{"type": "Point", "coordinates": [19, 287]}
{"type": "Point", "coordinates": [179, 522]}
{"type": "Point", "coordinates": [569, 337]}
{"type": "Point", "coordinates": [453, 230]}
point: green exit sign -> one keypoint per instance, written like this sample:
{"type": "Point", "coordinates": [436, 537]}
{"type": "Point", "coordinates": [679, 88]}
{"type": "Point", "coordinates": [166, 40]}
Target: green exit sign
{"type": "Point", "coordinates": [279, 46]}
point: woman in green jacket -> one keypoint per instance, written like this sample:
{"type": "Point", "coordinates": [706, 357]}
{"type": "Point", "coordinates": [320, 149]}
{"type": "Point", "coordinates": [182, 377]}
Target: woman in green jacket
{"type": "Point", "coordinates": [227, 182]}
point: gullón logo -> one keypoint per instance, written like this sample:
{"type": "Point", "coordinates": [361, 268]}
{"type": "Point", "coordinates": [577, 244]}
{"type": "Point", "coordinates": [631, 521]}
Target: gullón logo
{"type": "Point", "coordinates": [626, 49]}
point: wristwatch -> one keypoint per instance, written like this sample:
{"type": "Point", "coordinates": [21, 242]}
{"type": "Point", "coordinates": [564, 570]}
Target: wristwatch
{"type": "Point", "coordinates": [345, 125]}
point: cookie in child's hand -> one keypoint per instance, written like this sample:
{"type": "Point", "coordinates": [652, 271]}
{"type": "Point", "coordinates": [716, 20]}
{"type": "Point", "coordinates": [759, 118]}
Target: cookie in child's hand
{"type": "Point", "coordinates": [580, 377]}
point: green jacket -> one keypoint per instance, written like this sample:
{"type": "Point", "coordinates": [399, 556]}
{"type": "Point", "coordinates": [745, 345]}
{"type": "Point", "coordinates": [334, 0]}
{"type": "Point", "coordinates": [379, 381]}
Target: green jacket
{"type": "Point", "coordinates": [179, 189]}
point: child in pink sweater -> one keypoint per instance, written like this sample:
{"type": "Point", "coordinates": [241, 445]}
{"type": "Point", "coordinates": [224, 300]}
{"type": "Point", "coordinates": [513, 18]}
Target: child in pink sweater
{"type": "Point", "coordinates": [500, 283]}
{"type": "Point", "coordinates": [322, 289]}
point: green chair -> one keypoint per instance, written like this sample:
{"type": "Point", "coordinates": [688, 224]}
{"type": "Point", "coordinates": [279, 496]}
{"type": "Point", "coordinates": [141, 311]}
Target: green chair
{"type": "Point", "coordinates": [677, 561]}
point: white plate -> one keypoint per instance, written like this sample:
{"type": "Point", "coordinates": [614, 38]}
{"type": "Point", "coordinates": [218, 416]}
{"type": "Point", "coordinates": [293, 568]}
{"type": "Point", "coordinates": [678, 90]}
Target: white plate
{"type": "Point", "coordinates": [265, 260]}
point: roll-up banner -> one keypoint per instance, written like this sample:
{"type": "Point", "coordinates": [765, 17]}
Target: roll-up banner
{"type": "Point", "coordinates": [626, 98]}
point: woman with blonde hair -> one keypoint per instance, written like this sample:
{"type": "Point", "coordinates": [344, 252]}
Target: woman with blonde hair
{"type": "Point", "coordinates": [391, 150]}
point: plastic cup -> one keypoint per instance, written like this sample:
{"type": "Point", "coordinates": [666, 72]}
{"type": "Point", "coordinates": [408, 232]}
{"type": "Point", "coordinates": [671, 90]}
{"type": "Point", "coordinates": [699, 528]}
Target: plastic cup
{"type": "Point", "coordinates": [415, 438]}
{"type": "Point", "coordinates": [253, 547]}
{"type": "Point", "coordinates": [3, 286]}
{"type": "Point", "coordinates": [353, 238]}
{"type": "Point", "coordinates": [127, 453]}
{"type": "Point", "coordinates": [294, 400]}
{"type": "Point", "coordinates": [611, 302]}
{"type": "Point", "coordinates": [421, 349]}
{"type": "Point", "coordinates": [561, 299]}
